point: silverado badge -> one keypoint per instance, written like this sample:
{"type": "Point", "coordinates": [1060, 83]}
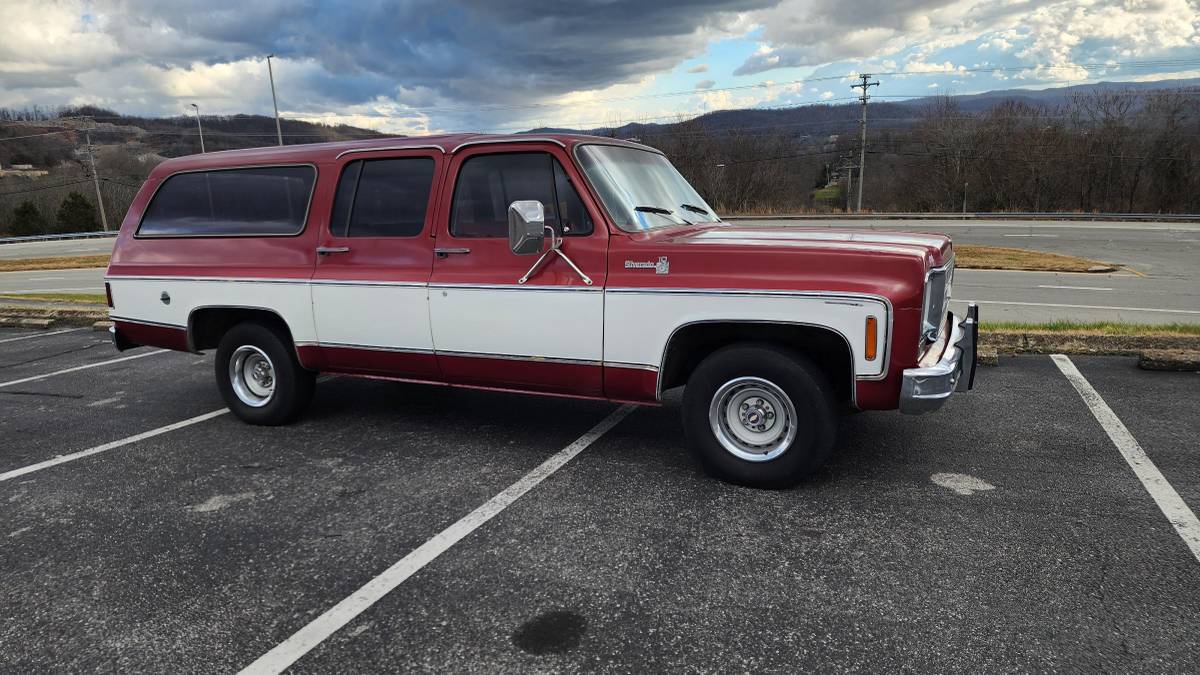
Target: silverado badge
{"type": "Point", "coordinates": [663, 266]}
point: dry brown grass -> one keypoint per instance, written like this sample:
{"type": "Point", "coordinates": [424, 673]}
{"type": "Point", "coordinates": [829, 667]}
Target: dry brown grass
{"type": "Point", "coordinates": [998, 258]}
{"type": "Point", "coordinates": [59, 263]}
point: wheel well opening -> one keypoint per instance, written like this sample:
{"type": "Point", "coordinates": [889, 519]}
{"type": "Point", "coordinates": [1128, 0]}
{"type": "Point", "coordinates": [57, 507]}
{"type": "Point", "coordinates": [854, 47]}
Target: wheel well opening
{"type": "Point", "coordinates": [208, 325]}
{"type": "Point", "coordinates": [692, 344]}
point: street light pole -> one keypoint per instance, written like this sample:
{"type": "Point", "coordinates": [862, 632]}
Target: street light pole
{"type": "Point", "coordinates": [198, 127]}
{"type": "Point", "coordinates": [275, 101]}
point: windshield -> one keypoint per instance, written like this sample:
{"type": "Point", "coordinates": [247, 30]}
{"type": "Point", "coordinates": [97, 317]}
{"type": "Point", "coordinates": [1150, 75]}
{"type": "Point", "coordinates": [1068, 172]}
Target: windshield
{"type": "Point", "coordinates": [641, 190]}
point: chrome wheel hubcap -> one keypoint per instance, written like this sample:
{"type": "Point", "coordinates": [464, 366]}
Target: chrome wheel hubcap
{"type": "Point", "coordinates": [252, 375]}
{"type": "Point", "coordinates": [753, 419]}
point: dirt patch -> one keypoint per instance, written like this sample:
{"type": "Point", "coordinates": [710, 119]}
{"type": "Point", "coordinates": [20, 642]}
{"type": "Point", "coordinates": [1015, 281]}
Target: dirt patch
{"type": "Point", "coordinates": [999, 258]}
{"type": "Point", "coordinates": [1178, 360]}
{"type": "Point", "coordinates": [58, 263]}
{"type": "Point", "coordinates": [1062, 342]}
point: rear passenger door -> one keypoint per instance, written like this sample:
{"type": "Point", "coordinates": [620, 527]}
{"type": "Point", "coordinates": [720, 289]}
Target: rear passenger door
{"type": "Point", "coordinates": [369, 291]}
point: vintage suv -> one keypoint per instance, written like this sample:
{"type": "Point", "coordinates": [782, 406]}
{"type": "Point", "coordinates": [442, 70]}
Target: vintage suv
{"type": "Point", "coordinates": [558, 264]}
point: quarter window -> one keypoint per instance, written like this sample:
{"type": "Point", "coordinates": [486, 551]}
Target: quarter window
{"type": "Point", "coordinates": [382, 198]}
{"type": "Point", "coordinates": [487, 184]}
{"type": "Point", "coordinates": [256, 201]}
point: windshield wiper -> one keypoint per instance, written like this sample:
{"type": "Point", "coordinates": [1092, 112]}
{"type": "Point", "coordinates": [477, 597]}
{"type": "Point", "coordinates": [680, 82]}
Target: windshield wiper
{"type": "Point", "coordinates": [694, 209]}
{"type": "Point", "coordinates": [660, 211]}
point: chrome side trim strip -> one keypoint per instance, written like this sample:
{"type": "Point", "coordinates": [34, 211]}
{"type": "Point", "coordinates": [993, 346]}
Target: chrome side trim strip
{"type": "Point", "coordinates": [236, 280]}
{"type": "Point", "coordinates": [430, 146]}
{"type": "Point", "coordinates": [517, 287]}
{"type": "Point", "coordinates": [631, 366]}
{"type": "Point", "coordinates": [144, 322]}
{"type": "Point", "coordinates": [854, 377]}
{"type": "Point", "coordinates": [365, 282]}
{"type": "Point", "coordinates": [376, 348]}
{"type": "Point", "coordinates": [516, 357]}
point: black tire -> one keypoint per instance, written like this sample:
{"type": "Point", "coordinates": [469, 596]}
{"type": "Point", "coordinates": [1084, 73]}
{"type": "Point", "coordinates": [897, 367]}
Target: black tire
{"type": "Point", "coordinates": [292, 384]}
{"type": "Point", "coordinates": [791, 374]}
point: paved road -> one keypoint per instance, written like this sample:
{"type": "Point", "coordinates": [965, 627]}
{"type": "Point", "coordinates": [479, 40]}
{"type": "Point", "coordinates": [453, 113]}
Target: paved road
{"type": "Point", "coordinates": [1003, 296]}
{"type": "Point", "coordinates": [54, 249]}
{"type": "Point", "coordinates": [1167, 254]}
{"type": "Point", "coordinates": [44, 281]}
{"type": "Point", "coordinates": [1004, 533]}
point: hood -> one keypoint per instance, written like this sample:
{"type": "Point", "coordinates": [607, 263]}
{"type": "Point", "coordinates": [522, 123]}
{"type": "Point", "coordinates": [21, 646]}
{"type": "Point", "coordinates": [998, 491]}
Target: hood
{"type": "Point", "coordinates": [935, 248]}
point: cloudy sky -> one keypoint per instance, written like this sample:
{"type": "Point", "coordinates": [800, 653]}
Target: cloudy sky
{"type": "Point", "coordinates": [423, 66]}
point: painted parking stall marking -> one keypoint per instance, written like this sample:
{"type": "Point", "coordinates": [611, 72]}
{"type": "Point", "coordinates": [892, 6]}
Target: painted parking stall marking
{"type": "Point", "coordinates": [318, 630]}
{"type": "Point", "coordinates": [76, 369]}
{"type": "Point", "coordinates": [38, 335]}
{"type": "Point", "coordinates": [62, 459]}
{"type": "Point", "coordinates": [1168, 500]}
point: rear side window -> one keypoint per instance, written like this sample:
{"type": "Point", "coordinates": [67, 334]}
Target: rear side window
{"type": "Point", "coordinates": [259, 201]}
{"type": "Point", "coordinates": [382, 198]}
{"type": "Point", "coordinates": [487, 184]}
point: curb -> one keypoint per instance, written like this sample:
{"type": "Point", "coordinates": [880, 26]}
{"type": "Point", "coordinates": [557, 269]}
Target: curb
{"type": "Point", "coordinates": [1050, 342]}
{"type": "Point", "coordinates": [48, 315]}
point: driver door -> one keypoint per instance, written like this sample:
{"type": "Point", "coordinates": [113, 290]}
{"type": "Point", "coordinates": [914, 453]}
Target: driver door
{"type": "Point", "coordinates": [488, 329]}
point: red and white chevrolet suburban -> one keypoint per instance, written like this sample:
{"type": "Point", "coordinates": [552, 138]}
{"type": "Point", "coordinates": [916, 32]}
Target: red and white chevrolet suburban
{"type": "Point", "coordinates": [558, 264]}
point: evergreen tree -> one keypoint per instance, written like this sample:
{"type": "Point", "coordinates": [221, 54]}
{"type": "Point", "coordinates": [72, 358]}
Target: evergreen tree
{"type": "Point", "coordinates": [28, 221]}
{"type": "Point", "coordinates": [76, 214]}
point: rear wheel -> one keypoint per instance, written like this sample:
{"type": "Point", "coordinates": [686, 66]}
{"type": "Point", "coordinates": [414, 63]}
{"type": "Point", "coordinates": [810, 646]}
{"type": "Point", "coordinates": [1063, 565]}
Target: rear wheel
{"type": "Point", "coordinates": [260, 377]}
{"type": "Point", "coordinates": [759, 415]}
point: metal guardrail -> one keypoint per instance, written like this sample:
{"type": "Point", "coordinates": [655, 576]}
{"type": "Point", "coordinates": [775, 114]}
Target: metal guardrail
{"type": "Point", "coordinates": [1008, 215]}
{"type": "Point", "coordinates": [57, 237]}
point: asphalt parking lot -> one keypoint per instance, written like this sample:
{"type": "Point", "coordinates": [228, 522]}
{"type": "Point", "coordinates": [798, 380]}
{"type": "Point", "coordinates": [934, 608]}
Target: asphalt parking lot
{"type": "Point", "coordinates": [1004, 533]}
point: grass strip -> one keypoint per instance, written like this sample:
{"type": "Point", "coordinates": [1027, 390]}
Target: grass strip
{"type": "Point", "coordinates": [1091, 328]}
{"type": "Point", "coordinates": [968, 256]}
{"type": "Point", "coordinates": [78, 298]}
{"type": "Point", "coordinates": [57, 263]}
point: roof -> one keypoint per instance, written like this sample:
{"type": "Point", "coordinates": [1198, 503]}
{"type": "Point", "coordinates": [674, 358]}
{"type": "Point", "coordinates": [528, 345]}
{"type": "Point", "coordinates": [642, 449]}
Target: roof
{"type": "Point", "coordinates": [327, 152]}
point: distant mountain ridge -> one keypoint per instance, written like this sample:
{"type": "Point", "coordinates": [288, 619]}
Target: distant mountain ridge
{"type": "Point", "coordinates": [819, 119]}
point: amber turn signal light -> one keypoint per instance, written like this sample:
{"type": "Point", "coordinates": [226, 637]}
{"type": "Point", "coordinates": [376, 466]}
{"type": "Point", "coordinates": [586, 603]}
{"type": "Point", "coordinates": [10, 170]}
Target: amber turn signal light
{"type": "Point", "coordinates": [872, 347]}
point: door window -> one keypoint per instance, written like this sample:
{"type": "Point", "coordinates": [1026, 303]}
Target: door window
{"type": "Point", "coordinates": [488, 184]}
{"type": "Point", "coordinates": [382, 198]}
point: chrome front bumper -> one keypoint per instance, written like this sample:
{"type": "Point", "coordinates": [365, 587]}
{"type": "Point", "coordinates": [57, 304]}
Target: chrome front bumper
{"type": "Point", "coordinates": [926, 389]}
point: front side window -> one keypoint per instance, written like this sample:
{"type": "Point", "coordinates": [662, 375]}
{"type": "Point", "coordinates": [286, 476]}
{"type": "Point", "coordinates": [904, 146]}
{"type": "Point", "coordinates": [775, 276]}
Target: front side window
{"type": "Point", "coordinates": [256, 201]}
{"type": "Point", "coordinates": [488, 184]}
{"type": "Point", "coordinates": [641, 189]}
{"type": "Point", "coordinates": [382, 198]}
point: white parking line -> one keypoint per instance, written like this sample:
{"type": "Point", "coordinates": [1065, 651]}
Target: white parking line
{"type": "Point", "coordinates": [62, 459]}
{"type": "Point", "coordinates": [76, 369]}
{"type": "Point", "coordinates": [320, 628]}
{"type": "Point", "coordinates": [38, 335]}
{"type": "Point", "coordinates": [1077, 288]}
{"type": "Point", "coordinates": [1051, 304]}
{"type": "Point", "coordinates": [1047, 236]}
{"type": "Point", "coordinates": [1173, 507]}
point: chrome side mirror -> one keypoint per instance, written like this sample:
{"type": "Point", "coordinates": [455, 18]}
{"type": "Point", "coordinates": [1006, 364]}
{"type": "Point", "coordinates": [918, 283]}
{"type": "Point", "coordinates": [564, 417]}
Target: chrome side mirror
{"type": "Point", "coordinates": [526, 227]}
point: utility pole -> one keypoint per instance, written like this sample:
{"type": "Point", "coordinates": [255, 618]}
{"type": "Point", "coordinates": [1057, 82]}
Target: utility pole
{"type": "Point", "coordinates": [849, 166]}
{"type": "Point", "coordinates": [275, 101]}
{"type": "Point", "coordinates": [96, 180]}
{"type": "Point", "coordinates": [862, 157]}
{"type": "Point", "coordinates": [199, 128]}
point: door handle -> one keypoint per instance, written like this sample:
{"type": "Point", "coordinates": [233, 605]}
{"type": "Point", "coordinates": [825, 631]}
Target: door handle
{"type": "Point", "coordinates": [444, 252]}
{"type": "Point", "coordinates": [326, 250]}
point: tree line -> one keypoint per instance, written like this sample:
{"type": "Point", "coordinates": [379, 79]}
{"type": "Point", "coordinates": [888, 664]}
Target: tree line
{"type": "Point", "coordinates": [1100, 151]}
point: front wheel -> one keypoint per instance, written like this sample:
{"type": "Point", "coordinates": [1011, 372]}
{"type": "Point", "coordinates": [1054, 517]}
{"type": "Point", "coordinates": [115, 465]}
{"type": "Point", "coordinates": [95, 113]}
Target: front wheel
{"type": "Point", "coordinates": [260, 377]}
{"type": "Point", "coordinates": [759, 415]}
